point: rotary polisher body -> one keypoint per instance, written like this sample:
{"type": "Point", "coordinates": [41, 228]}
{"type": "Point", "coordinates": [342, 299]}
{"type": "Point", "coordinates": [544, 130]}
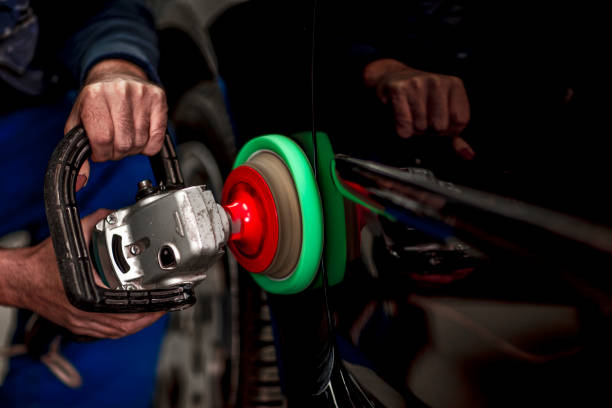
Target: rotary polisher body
{"type": "Point", "coordinates": [270, 218]}
{"type": "Point", "coordinates": [151, 254]}
{"type": "Point", "coordinates": [260, 220]}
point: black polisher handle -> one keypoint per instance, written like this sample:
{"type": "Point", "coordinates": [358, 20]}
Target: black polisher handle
{"type": "Point", "coordinates": [69, 243]}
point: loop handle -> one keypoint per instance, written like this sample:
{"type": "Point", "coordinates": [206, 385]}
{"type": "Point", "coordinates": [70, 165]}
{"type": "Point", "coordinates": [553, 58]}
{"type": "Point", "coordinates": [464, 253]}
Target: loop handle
{"type": "Point", "coordinates": [69, 243]}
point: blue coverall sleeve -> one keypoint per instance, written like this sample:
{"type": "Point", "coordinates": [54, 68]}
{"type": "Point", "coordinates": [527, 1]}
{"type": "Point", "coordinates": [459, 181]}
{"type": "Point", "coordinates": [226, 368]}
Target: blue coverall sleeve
{"type": "Point", "coordinates": [122, 29]}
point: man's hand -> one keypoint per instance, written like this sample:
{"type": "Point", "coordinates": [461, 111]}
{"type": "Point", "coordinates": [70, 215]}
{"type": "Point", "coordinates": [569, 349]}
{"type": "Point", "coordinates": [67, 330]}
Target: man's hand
{"type": "Point", "coordinates": [122, 112]}
{"type": "Point", "coordinates": [422, 101]}
{"type": "Point", "coordinates": [33, 282]}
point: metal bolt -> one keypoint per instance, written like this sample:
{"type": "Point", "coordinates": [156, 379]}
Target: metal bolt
{"type": "Point", "coordinates": [144, 184]}
{"type": "Point", "coordinates": [135, 250]}
{"type": "Point", "coordinates": [145, 189]}
{"type": "Point", "coordinates": [111, 219]}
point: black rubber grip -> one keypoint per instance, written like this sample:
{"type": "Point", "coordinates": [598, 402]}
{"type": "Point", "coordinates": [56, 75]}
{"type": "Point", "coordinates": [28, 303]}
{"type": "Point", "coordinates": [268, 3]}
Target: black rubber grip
{"type": "Point", "coordinates": [166, 168]}
{"type": "Point", "coordinates": [69, 243]}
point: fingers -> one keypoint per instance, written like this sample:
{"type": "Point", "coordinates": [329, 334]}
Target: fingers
{"type": "Point", "coordinates": [88, 223]}
{"type": "Point", "coordinates": [141, 125]}
{"type": "Point", "coordinates": [438, 105]}
{"type": "Point", "coordinates": [459, 107]}
{"type": "Point", "coordinates": [158, 121]}
{"type": "Point", "coordinates": [40, 276]}
{"type": "Point", "coordinates": [404, 124]}
{"type": "Point", "coordinates": [139, 115]}
{"type": "Point", "coordinates": [83, 176]}
{"type": "Point", "coordinates": [428, 101]}
{"type": "Point", "coordinates": [114, 326]}
{"type": "Point", "coordinates": [103, 325]}
{"type": "Point", "coordinates": [463, 149]}
{"type": "Point", "coordinates": [408, 99]}
{"type": "Point", "coordinates": [418, 95]}
{"type": "Point", "coordinates": [93, 112]}
{"type": "Point", "coordinates": [121, 116]}
{"type": "Point", "coordinates": [423, 101]}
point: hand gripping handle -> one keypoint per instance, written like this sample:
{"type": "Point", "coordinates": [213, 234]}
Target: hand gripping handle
{"type": "Point", "coordinates": [69, 243]}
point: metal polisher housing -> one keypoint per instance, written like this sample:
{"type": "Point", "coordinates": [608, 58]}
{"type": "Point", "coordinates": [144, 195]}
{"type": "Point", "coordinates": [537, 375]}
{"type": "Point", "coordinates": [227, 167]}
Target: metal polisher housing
{"type": "Point", "coordinates": [162, 240]}
{"type": "Point", "coordinates": [70, 245]}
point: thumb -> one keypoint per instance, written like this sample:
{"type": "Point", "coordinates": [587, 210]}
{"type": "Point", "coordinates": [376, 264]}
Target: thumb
{"type": "Point", "coordinates": [88, 223]}
{"type": "Point", "coordinates": [463, 149]}
{"type": "Point", "coordinates": [83, 176]}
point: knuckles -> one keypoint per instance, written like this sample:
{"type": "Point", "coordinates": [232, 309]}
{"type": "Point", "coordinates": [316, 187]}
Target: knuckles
{"type": "Point", "coordinates": [440, 124]}
{"type": "Point", "coordinates": [456, 82]}
{"type": "Point", "coordinates": [420, 83]}
{"type": "Point", "coordinates": [461, 120]}
{"type": "Point", "coordinates": [157, 93]}
{"type": "Point", "coordinates": [122, 87]}
{"type": "Point", "coordinates": [123, 146]}
{"type": "Point", "coordinates": [436, 82]}
{"type": "Point", "coordinates": [141, 137]}
{"type": "Point", "coordinates": [420, 125]}
{"type": "Point", "coordinates": [112, 128]}
{"type": "Point", "coordinates": [102, 138]}
{"type": "Point", "coordinates": [91, 91]}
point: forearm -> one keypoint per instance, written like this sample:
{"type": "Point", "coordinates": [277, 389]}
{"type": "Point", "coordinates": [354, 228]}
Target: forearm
{"type": "Point", "coordinates": [121, 30]}
{"type": "Point", "coordinates": [112, 67]}
{"type": "Point", "coordinates": [30, 279]}
{"type": "Point", "coordinates": [14, 266]}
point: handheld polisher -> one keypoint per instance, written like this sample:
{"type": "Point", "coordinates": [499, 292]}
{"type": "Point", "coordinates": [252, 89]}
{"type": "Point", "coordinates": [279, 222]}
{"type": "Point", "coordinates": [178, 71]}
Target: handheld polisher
{"type": "Point", "coordinates": [151, 254]}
